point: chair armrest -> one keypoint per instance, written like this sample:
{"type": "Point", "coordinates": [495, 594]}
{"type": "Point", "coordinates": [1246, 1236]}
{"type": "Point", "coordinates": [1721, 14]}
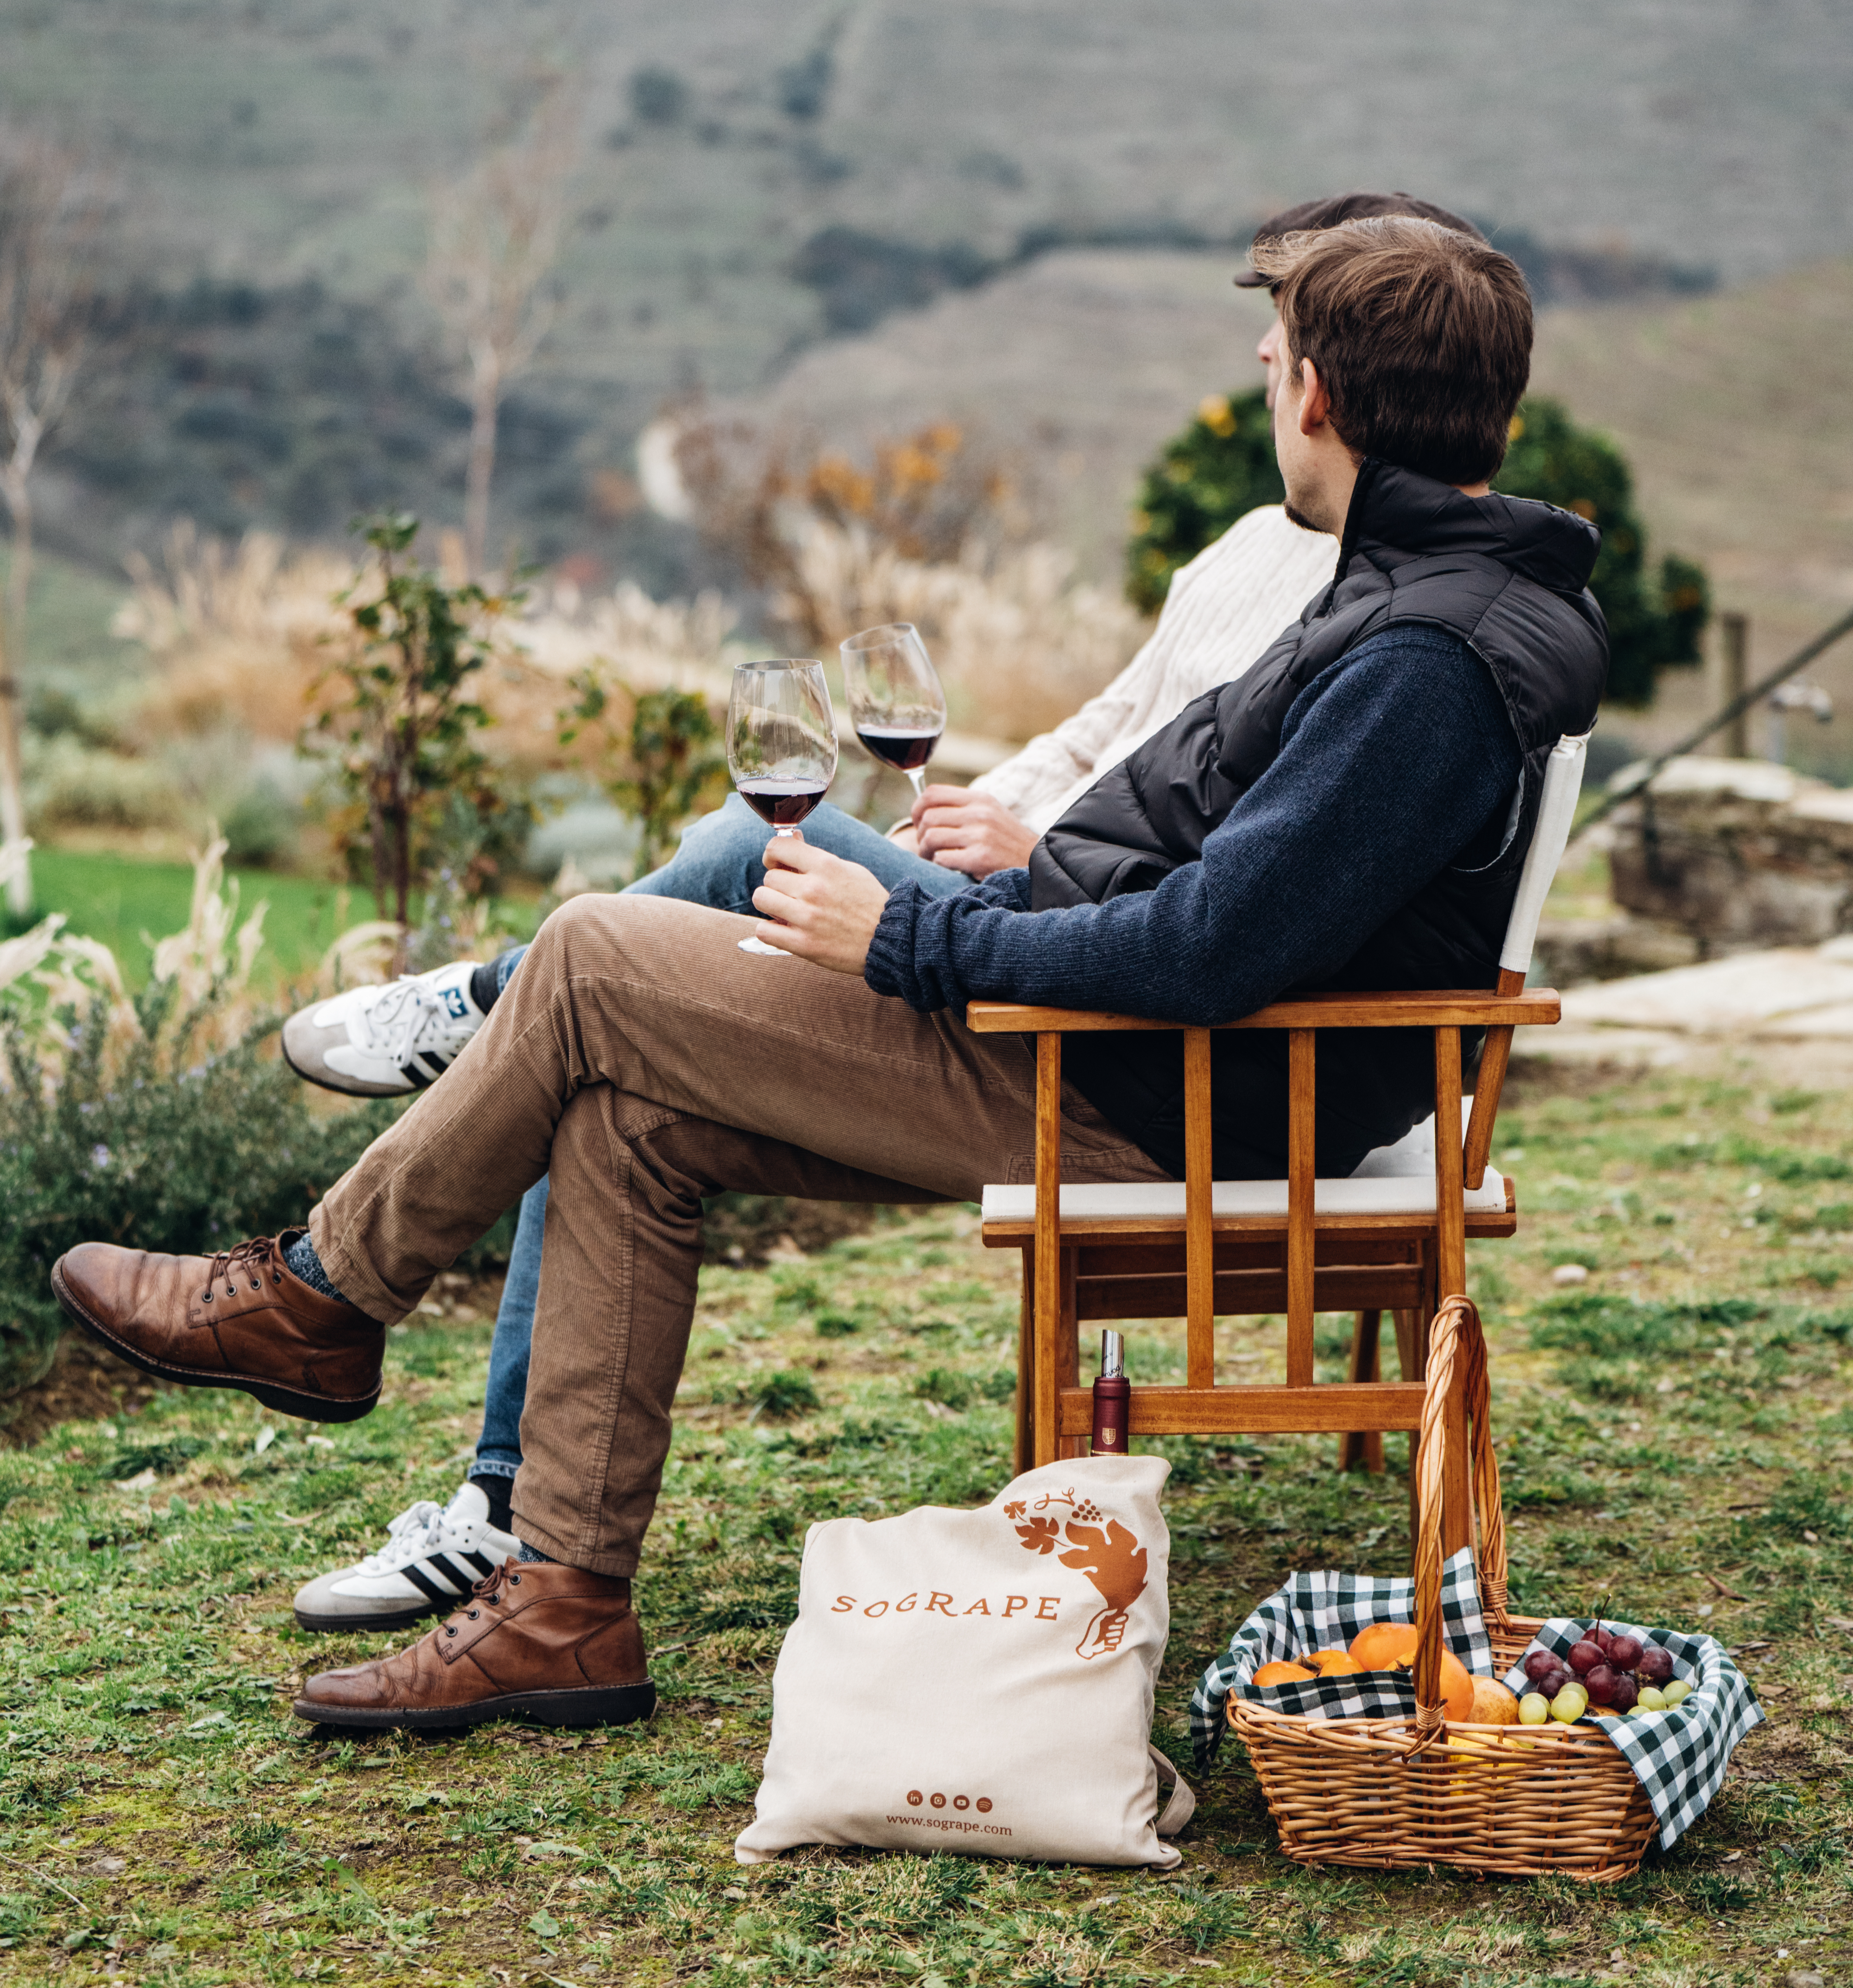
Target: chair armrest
{"type": "Point", "coordinates": [1466, 1008]}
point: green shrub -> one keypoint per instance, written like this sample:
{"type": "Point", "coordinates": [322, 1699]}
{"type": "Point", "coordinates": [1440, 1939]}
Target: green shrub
{"type": "Point", "coordinates": [1221, 466]}
{"type": "Point", "coordinates": [1218, 469]}
{"type": "Point", "coordinates": [1655, 619]}
{"type": "Point", "coordinates": [158, 1155]}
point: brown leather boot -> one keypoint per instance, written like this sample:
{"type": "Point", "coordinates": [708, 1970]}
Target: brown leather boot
{"type": "Point", "coordinates": [242, 1318]}
{"type": "Point", "coordinates": [535, 1641]}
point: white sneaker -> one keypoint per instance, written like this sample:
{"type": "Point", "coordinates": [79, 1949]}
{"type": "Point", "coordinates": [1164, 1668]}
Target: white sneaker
{"type": "Point", "coordinates": [433, 1555]}
{"type": "Point", "coordinates": [382, 1041]}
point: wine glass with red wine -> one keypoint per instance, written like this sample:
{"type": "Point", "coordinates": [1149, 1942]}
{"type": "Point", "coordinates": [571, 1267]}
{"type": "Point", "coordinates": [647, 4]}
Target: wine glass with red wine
{"type": "Point", "coordinates": [895, 696]}
{"type": "Point", "coordinates": [781, 748]}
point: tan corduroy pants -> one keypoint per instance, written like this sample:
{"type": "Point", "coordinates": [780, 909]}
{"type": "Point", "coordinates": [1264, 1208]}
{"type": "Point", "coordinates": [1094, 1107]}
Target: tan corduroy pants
{"type": "Point", "coordinates": [643, 1060]}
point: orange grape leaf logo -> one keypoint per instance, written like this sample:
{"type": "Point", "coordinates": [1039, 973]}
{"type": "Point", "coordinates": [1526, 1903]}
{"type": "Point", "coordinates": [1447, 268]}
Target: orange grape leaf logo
{"type": "Point", "coordinates": [1109, 1556]}
{"type": "Point", "coordinates": [1113, 1560]}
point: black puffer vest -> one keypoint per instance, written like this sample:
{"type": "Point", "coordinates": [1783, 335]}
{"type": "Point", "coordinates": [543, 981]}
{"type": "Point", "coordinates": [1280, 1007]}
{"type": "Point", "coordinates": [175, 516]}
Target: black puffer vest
{"type": "Point", "coordinates": [1507, 575]}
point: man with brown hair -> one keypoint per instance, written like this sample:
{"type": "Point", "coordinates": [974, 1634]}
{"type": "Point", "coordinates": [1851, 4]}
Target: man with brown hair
{"type": "Point", "coordinates": [1352, 811]}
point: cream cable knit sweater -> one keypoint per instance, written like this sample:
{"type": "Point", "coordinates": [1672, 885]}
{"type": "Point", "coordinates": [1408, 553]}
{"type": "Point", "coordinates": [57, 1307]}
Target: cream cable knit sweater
{"type": "Point", "coordinates": [1222, 611]}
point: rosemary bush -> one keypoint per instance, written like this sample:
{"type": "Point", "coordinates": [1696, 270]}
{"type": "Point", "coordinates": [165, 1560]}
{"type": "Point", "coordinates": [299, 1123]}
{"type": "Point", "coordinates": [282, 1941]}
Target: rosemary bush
{"type": "Point", "coordinates": [139, 1145]}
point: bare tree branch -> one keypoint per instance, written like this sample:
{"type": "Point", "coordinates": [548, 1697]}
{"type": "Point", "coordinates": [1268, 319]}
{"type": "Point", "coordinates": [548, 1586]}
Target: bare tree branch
{"type": "Point", "coordinates": [494, 238]}
{"type": "Point", "coordinates": [52, 210]}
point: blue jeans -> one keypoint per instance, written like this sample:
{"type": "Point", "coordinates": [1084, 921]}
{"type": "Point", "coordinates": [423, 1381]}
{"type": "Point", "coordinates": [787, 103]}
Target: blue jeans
{"type": "Point", "coordinates": [718, 863]}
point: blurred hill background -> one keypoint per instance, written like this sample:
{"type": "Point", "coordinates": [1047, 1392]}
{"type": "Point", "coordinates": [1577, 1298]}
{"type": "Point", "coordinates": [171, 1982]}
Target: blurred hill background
{"type": "Point", "coordinates": [1018, 214]}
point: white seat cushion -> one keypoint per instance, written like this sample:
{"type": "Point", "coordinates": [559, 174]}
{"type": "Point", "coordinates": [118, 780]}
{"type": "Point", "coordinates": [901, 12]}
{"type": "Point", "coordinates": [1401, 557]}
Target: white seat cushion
{"type": "Point", "coordinates": [1159, 1200]}
{"type": "Point", "coordinates": [1397, 1179]}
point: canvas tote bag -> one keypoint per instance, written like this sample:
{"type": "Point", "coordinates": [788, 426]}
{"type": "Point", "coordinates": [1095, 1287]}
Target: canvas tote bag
{"type": "Point", "coordinates": [981, 1681]}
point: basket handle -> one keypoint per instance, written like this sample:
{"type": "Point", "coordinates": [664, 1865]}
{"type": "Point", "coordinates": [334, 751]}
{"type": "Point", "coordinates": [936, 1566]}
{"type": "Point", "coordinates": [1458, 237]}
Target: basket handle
{"type": "Point", "coordinates": [1457, 1359]}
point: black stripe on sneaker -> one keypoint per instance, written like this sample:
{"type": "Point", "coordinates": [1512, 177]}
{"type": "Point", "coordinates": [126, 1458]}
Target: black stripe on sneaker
{"type": "Point", "coordinates": [477, 1561]}
{"type": "Point", "coordinates": [451, 1571]}
{"type": "Point", "coordinates": [425, 1587]}
{"type": "Point", "coordinates": [414, 1077]}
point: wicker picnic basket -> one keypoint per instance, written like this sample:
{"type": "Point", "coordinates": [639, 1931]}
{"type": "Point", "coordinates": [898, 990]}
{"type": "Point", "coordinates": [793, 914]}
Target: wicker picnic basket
{"type": "Point", "coordinates": [1397, 1793]}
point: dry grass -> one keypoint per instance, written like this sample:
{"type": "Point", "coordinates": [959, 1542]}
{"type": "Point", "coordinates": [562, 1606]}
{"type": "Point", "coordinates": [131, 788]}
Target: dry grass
{"type": "Point", "coordinates": [240, 634]}
{"type": "Point", "coordinates": [1019, 639]}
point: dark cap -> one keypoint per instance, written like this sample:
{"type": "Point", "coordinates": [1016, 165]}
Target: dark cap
{"type": "Point", "coordinates": [1327, 213]}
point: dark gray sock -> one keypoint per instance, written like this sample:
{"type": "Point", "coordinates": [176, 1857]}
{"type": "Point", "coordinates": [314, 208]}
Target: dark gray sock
{"type": "Point", "coordinates": [304, 1261]}
{"type": "Point", "coordinates": [498, 1490]}
{"type": "Point", "coordinates": [529, 1556]}
{"type": "Point", "coordinates": [485, 986]}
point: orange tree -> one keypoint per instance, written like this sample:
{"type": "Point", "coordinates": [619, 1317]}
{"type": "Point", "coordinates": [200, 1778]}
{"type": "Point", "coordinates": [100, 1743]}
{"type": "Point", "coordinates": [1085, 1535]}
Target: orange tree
{"type": "Point", "coordinates": [1222, 465]}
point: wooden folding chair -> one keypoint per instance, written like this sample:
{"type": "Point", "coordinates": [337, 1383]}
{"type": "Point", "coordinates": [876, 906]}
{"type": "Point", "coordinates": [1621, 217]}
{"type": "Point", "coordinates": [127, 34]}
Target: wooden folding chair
{"type": "Point", "coordinates": [1391, 1237]}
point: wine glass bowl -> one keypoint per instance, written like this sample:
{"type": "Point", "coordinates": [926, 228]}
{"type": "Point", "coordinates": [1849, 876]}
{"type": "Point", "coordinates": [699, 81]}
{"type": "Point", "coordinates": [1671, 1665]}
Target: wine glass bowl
{"type": "Point", "coordinates": [781, 747]}
{"type": "Point", "coordinates": [895, 699]}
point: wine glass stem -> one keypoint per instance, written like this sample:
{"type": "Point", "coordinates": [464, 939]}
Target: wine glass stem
{"type": "Point", "coordinates": [918, 775]}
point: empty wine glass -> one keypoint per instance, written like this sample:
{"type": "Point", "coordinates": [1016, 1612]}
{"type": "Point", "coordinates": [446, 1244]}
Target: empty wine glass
{"type": "Point", "coordinates": [781, 748]}
{"type": "Point", "coordinates": [895, 696]}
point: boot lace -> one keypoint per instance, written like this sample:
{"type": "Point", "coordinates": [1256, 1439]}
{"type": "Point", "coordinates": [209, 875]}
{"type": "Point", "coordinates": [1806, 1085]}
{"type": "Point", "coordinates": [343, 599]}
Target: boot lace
{"type": "Point", "coordinates": [253, 1258]}
{"type": "Point", "coordinates": [488, 1591]}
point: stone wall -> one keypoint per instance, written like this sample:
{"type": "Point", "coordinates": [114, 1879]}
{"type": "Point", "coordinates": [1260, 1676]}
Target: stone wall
{"type": "Point", "coordinates": [1737, 853]}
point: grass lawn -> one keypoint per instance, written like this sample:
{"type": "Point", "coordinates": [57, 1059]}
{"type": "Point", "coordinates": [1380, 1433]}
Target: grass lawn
{"type": "Point", "coordinates": [117, 898]}
{"type": "Point", "coordinates": [1675, 1434]}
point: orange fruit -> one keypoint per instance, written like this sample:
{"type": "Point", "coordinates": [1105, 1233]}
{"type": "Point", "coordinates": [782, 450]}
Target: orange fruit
{"type": "Point", "coordinates": [1386, 1646]}
{"type": "Point", "coordinates": [1334, 1663]}
{"type": "Point", "coordinates": [1282, 1674]}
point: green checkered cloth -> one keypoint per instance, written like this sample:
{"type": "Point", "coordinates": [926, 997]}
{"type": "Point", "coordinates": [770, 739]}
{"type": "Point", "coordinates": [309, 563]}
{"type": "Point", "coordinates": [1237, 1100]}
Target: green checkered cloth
{"type": "Point", "coordinates": [1318, 1611]}
{"type": "Point", "coordinates": [1678, 1756]}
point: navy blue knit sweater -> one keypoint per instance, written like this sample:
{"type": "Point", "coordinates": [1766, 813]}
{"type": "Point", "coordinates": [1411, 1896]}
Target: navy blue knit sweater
{"type": "Point", "coordinates": [1395, 763]}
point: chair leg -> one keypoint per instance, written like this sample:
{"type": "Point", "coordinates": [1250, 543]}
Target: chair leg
{"type": "Point", "coordinates": [1070, 1445]}
{"type": "Point", "coordinates": [1411, 1344]}
{"type": "Point", "coordinates": [1364, 1446]}
{"type": "Point", "coordinates": [1024, 1457]}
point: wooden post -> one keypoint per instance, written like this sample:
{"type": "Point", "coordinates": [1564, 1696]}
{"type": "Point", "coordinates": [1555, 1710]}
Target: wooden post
{"type": "Point", "coordinates": [1199, 1238]}
{"type": "Point", "coordinates": [1049, 1366]}
{"type": "Point", "coordinates": [1733, 638]}
{"type": "Point", "coordinates": [1300, 1164]}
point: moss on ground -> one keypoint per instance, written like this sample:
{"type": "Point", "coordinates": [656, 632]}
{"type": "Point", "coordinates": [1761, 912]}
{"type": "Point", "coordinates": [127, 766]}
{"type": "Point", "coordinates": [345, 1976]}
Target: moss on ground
{"type": "Point", "coordinates": [164, 1819]}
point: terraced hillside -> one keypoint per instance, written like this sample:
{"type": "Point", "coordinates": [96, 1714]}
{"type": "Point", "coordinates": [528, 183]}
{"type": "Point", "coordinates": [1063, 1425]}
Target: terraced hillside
{"type": "Point", "coordinates": [757, 178]}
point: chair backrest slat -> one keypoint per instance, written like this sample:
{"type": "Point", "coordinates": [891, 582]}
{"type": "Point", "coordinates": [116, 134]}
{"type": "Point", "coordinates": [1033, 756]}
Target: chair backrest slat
{"type": "Point", "coordinates": [1556, 809]}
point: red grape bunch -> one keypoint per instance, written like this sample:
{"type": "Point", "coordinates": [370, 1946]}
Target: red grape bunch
{"type": "Point", "coordinates": [1608, 1672]}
